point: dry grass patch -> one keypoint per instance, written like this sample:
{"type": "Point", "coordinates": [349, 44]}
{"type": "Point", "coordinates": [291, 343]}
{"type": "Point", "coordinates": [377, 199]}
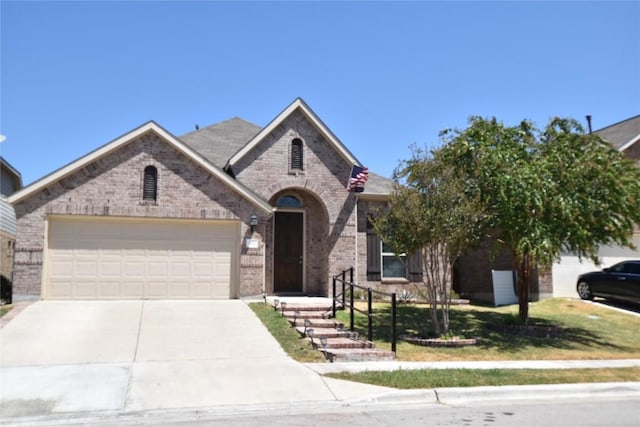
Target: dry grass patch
{"type": "Point", "coordinates": [588, 332]}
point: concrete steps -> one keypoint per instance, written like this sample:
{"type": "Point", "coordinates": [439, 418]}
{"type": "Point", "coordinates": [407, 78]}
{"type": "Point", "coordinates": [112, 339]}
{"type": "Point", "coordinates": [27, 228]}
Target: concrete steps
{"type": "Point", "coordinates": [358, 355]}
{"type": "Point", "coordinates": [308, 314]}
{"type": "Point", "coordinates": [291, 307]}
{"type": "Point", "coordinates": [317, 323]}
{"type": "Point", "coordinates": [327, 332]}
{"type": "Point", "coordinates": [341, 343]}
{"type": "Point", "coordinates": [328, 335]}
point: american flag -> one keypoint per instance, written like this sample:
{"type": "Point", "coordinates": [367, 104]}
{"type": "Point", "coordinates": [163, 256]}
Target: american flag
{"type": "Point", "coordinates": [359, 176]}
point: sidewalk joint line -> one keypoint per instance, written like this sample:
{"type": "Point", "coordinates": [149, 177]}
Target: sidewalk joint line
{"type": "Point", "coordinates": [133, 361]}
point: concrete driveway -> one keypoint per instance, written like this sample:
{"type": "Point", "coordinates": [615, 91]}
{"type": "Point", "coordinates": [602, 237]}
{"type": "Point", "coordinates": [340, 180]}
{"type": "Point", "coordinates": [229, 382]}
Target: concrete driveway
{"type": "Point", "coordinates": [127, 356]}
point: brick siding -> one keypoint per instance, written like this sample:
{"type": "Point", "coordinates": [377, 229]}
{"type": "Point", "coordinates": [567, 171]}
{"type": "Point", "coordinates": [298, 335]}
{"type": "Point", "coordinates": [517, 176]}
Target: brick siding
{"type": "Point", "coordinates": [112, 186]}
{"type": "Point", "coordinates": [330, 233]}
{"type": "Point", "coordinates": [7, 242]}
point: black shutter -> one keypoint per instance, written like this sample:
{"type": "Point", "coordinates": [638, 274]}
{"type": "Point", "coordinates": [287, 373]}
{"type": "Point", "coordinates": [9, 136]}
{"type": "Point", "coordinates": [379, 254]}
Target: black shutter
{"type": "Point", "coordinates": [150, 185]}
{"type": "Point", "coordinates": [415, 267]}
{"type": "Point", "coordinates": [373, 256]}
{"type": "Point", "coordinates": [296, 154]}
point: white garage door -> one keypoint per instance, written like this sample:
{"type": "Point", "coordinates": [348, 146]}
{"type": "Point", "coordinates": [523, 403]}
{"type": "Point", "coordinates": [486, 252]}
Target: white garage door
{"type": "Point", "coordinates": [566, 272]}
{"type": "Point", "coordinates": [131, 259]}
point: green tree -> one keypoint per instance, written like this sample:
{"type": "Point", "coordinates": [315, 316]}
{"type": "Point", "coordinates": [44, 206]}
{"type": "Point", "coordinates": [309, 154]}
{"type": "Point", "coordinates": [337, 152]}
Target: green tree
{"type": "Point", "coordinates": [429, 212]}
{"type": "Point", "coordinates": [545, 191]}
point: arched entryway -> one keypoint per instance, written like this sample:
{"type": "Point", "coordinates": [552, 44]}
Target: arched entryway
{"type": "Point", "coordinates": [288, 252]}
{"type": "Point", "coordinates": [298, 258]}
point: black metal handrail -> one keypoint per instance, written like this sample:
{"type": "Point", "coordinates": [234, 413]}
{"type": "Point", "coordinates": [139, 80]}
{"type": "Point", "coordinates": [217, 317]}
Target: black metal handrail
{"type": "Point", "coordinates": [342, 278]}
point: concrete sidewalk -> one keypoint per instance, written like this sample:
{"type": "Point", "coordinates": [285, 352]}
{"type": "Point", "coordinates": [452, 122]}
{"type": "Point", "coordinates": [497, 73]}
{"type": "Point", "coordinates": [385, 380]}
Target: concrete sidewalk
{"type": "Point", "coordinates": [326, 368]}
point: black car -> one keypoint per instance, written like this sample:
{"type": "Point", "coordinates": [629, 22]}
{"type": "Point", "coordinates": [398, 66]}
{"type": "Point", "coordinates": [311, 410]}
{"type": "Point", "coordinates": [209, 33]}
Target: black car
{"type": "Point", "coordinates": [620, 282]}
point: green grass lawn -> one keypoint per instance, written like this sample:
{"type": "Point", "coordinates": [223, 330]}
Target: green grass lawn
{"type": "Point", "coordinates": [589, 332]}
{"type": "Point", "coordinates": [5, 309]}
{"type": "Point", "coordinates": [292, 343]}
{"type": "Point", "coordinates": [432, 378]}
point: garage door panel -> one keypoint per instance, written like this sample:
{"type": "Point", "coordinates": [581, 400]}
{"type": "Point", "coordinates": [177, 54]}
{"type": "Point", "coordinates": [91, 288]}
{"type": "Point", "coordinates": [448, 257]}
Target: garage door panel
{"type": "Point", "coordinates": [86, 267]}
{"type": "Point", "coordinates": [109, 290]}
{"type": "Point", "coordinates": [202, 269]}
{"type": "Point", "coordinates": [64, 267]}
{"type": "Point", "coordinates": [59, 288]}
{"type": "Point", "coordinates": [86, 289]}
{"type": "Point", "coordinates": [157, 268]}
{"type": "Point", "coordinates": [156, 290]}
{"type": "Point", "coordinates": [178, 290]}
{"type": "Point", "coordinates": [111, 268]}
{"type": "Point", "coordinates": [132, 289]}
{"type": "Point", "coordinates": [134, 269]}
{"type": "Point", "coordinates": [139, 259]}
{"type": "Point", "coordinates": [180, 268]}
{"type": "Point", "coordinates": [205, 290]}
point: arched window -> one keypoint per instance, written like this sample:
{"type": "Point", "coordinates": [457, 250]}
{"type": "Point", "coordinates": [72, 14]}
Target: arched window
{"type": "Point", "coordinates": [150, 184]}
{"type": "Point", "coordinates": [289, 202]}
{"type": "Point", "coordinates": [296, 154]}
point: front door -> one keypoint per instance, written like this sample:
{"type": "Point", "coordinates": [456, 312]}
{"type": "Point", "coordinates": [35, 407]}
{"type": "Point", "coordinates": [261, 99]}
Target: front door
{"type": "Point", "coordinates": [288, 243]}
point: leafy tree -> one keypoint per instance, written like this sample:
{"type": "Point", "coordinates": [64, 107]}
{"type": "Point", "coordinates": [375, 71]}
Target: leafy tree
{"type": "Point", "coordinates": [545, 191]}
{"type": "Point", "coordinates": [429, 212]}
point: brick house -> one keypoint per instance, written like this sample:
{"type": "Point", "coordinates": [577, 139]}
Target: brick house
{"type": "Point", "coordinates": [473, 271]}
{"type": "Point", "coordinates": [227, 211]}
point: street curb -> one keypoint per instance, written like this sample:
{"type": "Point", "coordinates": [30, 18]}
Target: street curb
{"type": "Point", "coordinates": [405, 397]}
{"type": "Point", "coordinates": [400, 398]}
{"type": "Point", "coordinates": [458, 395]}
{"type": "Point", "coordinates": [461, 395]}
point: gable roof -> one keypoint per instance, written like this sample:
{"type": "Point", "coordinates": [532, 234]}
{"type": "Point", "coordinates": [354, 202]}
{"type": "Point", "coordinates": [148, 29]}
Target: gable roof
{"type": "Point", "coordinates": [622, 135]}
{"type": "Point", "coordinates": [220, 141]}
{"type": "Point", "coordinates": [297, 104]}
{"type": "Point", "coordinates": [126, 139]}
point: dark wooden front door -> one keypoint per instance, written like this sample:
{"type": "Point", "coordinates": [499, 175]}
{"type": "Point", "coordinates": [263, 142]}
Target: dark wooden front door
{"type": "Point", "coordinates": [287, 269]}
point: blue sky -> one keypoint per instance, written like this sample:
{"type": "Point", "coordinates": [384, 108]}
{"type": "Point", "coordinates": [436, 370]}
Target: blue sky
{"type": "Point", "coordinates": [381, 75]}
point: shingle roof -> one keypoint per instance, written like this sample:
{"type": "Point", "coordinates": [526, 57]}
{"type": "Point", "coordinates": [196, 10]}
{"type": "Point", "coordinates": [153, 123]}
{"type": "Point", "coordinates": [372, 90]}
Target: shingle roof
{"type": "Point", "coordinates": [123, 140]}
{"type": "Point", "coordinates": [297, 105]}
{"type": "Point", "coordinates": [622, 133]}
{"type": "Point", "coordinates": [378, 185]}
{"type": "Point", "coordinates": [218, 142]}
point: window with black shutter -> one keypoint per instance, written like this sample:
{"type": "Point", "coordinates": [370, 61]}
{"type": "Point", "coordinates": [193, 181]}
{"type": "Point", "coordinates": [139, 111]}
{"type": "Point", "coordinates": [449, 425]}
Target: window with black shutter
{"type": "Point", "coordinates": [150, 185]}
{"type": "Point", "coordinates": [373, 252]}
{"type": "Point", "coordinates": [415, 267]}
{"type": "Point", "coordinates": [296, 154]}
{"type": "Point", "coordinates": [383, 263]}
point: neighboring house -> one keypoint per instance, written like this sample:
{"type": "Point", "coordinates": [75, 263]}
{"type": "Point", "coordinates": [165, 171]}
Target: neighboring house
{"type": "Point", "coordinates": [473, 271]}
{"type": "Point", "coordinates": [10, 182]}
{"type": "Point", "coordinates": [230, 210]}
{"type": "Point", "coordinates": [625, 136]}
